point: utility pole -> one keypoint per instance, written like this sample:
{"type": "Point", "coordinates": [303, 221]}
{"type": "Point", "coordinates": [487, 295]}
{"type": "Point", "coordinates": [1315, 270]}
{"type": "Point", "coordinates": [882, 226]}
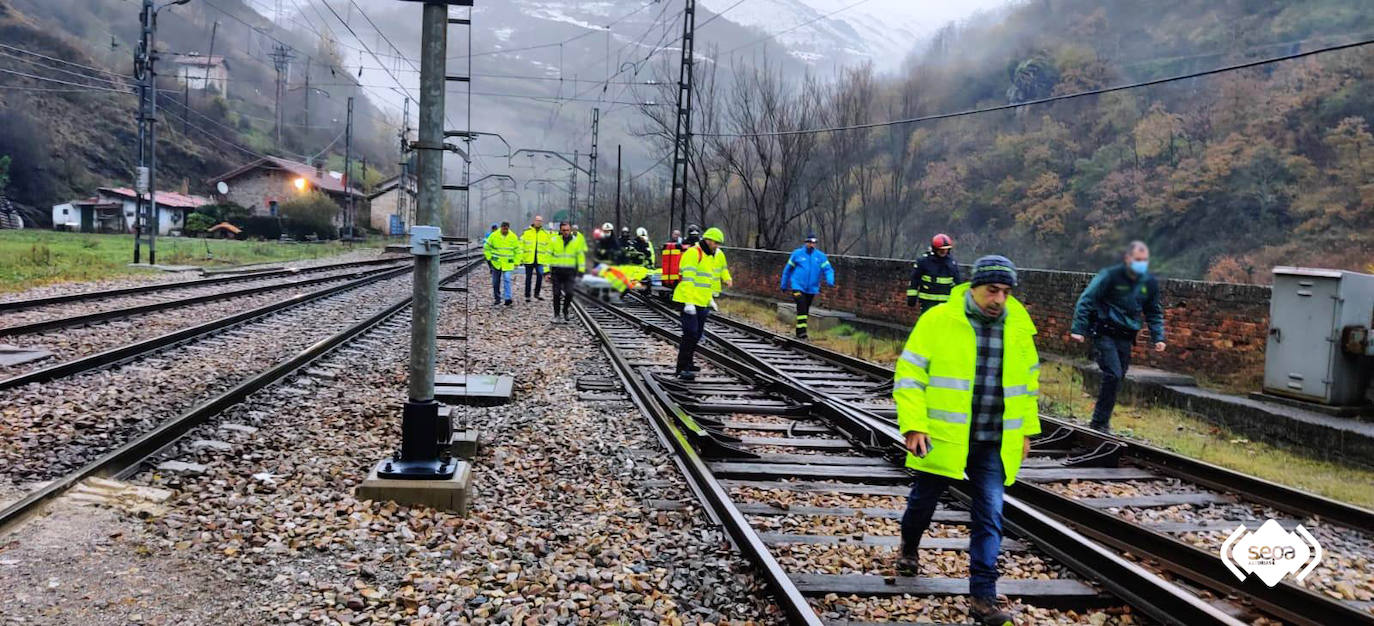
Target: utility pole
{"type": "Point", "coordinates": [572, 190]}
{"type": "Point", "coordinates": [419, 459]}
{"type": "Point", "coordinates": [307, 100]}
{"type": "Point", "coordinates": [591, 173]}
{"type": "Point", "coordinates": [403, 183]}
{"type": "Point", "coordinates": [348, 170]}
{"type": "Point", "coordinates": [205, 82]}
{"type": "Point", "coordinates": [682, 136]}
{"type": "Point", "coordinates": [185, 100]}
{"type": "Point", "coordinates": [281, 56]}
{"type": "Point", "coordinates": [617, 184]}
{"type": "Point", "coordinates": [146, 181]}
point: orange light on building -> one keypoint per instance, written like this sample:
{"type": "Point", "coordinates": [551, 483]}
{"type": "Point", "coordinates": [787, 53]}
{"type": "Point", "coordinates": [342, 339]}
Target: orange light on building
{"type": "Point", "coordinates": [300, 184]}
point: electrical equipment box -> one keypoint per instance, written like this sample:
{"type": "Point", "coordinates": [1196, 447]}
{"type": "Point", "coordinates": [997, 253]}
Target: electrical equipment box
{"type": "Point", "coordinates": [425, 240]}
{"type": "Point", "coordinates": [1311, 311]}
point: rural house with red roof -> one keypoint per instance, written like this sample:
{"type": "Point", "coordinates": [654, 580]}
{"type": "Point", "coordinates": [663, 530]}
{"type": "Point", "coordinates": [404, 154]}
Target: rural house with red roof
{"type": "Point", "coordinates": [112, 209]}
{"type": "Point", "coordinates": [264, 184]}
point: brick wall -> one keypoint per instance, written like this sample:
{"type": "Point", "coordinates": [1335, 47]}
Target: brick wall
{"type": "Point", "coordinates": [1214, 330]}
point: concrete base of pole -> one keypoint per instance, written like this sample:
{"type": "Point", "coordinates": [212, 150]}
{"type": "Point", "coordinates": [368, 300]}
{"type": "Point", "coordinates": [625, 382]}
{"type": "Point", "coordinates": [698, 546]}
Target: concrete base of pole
{"type": "Point", "coordinates": [445, 495]}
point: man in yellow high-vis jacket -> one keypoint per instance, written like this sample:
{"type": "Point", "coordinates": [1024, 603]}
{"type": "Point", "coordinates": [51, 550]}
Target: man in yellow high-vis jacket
{"type": "Point", "coordinates": [567, 258]}
{"type": "Point", "coordinates": [502, 251]}
{"type": "Point", "coordinates": [534, 245]}
{"type": "Point", "coordinates": [703, 270]}
{"type": "Point", "coordinates": [966, 388]}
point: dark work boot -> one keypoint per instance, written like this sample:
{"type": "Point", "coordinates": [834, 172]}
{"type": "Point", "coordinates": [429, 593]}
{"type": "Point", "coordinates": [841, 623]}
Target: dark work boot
{"type": "Point", "coordinates": [985, 612]}
{"type": "Point", "coordinates": [686, 375]}
{"type": "Point", "coordinates": [908, 564]}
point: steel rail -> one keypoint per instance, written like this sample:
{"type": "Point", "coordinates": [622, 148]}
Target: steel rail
{"type": "Point", "coordinates": [1281, 497]}
{"type": "Point", "coordinates": [1144, 590]}
{"type": "Point", "coordinates": [655, 405]}
{"type": "Point", "coordinates": [114, 314]}
{"type": "Point", "coordinates": [1286, 600]}
{"type": "Point", "coordinates": [140, 348]}
{"type": "Point", "coordinates": [126, 459]}
{"type": "Point", "coordinates": [16, 305]}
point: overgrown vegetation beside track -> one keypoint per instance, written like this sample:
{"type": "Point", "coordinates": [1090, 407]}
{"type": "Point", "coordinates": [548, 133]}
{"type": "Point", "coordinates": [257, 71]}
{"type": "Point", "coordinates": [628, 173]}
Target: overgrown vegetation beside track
{"type": "Point", "coordinates": [1061, 390]}
{"type": "Point", "coordinates": [30, 258]}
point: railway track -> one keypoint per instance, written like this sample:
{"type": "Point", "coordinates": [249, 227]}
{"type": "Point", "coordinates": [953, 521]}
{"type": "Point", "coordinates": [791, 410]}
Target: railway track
{"type": "Point", "coordinates": [116, 445]}
{"type": "Point", "coordinates": [57, 316]}
{"type": "Point", "coordinates": [149, 292]}
{"type": "Point", "coordinates": [1170, 513]}
{"type": "Point", "coordinates": [111, 349]}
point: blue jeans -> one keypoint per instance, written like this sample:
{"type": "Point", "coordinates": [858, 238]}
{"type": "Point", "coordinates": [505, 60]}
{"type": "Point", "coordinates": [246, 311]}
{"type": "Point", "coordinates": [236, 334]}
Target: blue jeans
{"type": "Point", "coordinates": [985, 476]}
{"type": "Point", "coordinates": [693, 327]}
{"type": "Point", "coordinates": [1113, 357]}
{"type": "Point", "coordinates": [500, 281]}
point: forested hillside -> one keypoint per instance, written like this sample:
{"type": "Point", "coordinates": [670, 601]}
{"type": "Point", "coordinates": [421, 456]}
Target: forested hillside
{"type": "Point", "coordinates": [1226, 175]}
{"type": "Point", "coordinates": [67, 101]}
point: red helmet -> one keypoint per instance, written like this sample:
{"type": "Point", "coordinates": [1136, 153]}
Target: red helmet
{"type": "Point", "coordinates": [940, 241]}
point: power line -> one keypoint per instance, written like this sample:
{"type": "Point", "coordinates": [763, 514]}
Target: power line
{"type": "Point", "coordinates": [1067, 96]}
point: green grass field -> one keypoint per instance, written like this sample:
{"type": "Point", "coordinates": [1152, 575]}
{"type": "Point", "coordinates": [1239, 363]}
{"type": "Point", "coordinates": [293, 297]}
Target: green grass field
{"type": "Point", "coordinates": [29, 258]}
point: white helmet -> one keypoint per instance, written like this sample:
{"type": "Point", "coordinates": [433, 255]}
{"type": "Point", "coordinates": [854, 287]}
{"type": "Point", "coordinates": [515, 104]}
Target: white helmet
{"type": "Point", "coordinates": [607, 227]}
{"type": "Point", "coordinates": [641, 232]}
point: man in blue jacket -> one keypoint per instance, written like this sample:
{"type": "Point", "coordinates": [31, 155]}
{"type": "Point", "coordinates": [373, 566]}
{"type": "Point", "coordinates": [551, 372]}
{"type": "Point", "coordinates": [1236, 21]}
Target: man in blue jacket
{"type": "Point", "coordinates": [802, 276]}
{"type": "Point", "coordinates": [1110, 311]}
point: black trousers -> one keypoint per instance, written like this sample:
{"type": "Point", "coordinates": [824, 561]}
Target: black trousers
{"type": "Point", "coordinates": [693, 327]}
{"type": "Point", "coordinates": [1113, 355]}
{"type": "Point", "coordinates": [803, 301]}
{"type": "Point", "coordinates": [534, 273]}
{"type": "Point", "coordinates": [563, 281]}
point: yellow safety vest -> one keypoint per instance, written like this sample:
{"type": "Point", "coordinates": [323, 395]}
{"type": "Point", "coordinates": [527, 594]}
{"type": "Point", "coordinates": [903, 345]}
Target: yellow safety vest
{"type": "Point", "coordinates": [701, 276]}
{"type": "Point", "coordinates": [502, 250]}
{"type": "Point", "coordinates": [933, 386]}
{"type": "Point", "coordinates": [570, 255]}
{"type": "Point", "coordinates": [535, 243]}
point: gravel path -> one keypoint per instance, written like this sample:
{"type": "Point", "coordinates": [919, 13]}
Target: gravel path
{"type": "Point", "coordinates": [47, 429]}
{"type": "Point", "coordinates": [560, 530]}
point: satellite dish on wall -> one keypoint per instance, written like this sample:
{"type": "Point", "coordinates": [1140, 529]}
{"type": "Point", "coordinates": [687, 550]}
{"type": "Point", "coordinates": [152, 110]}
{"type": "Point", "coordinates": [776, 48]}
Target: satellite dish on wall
{"type": "Point", "coordinates": [221, 187]}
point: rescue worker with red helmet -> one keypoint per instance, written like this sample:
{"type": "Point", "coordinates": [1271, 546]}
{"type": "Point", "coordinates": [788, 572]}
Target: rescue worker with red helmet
{"type": "Point", "coordinates": [934, 275]}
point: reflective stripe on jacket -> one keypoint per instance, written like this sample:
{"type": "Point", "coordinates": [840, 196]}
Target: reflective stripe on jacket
{"type": "Point", "coordinates": [535, 244]}
{"type": "Point", "coordinates": [933, 387]}
{"type": "Point", "coordinates": [502, 251]}
{"type": "Point", "coordinates": [803, 271]}
{"type": "Point", "coordinates": [932, 277]}
{"type": "Point", "coordinates": [572, 255]}
{"type": "Point", "coordinates": [700, 276]}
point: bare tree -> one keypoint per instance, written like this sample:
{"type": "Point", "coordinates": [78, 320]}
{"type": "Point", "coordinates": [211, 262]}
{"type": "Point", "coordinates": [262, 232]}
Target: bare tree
{"type": "Point", "coordinates": [769, 168]}
{"type": "Point", "coordinates": [844, 103]}
{"type": "Point", "coordinates": [706, 181]}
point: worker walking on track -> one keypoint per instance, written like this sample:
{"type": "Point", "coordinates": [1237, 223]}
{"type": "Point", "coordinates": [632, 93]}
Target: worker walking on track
{"type": "Point", "coordinates": [567, 258]}
{"type": "Point", "coordinates": [934, 274]}
{"type": "Point", "coordinates": [703, 270]}
{"type": "Point", "coordinates": [802, 276]}
{"type": "Point", "coordinates": [501, 250]}
{"type": "Point", "coordinates": [966, 387]}
{"type": "Point", "coordinates": [1109, 311]}
{"type": "Point", "coordinates": [535, 245]}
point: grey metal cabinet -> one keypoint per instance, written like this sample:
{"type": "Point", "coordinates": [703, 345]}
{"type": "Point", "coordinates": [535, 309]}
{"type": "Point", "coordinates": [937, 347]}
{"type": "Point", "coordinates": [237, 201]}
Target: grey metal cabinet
{"type": "Point", "coordinates": [1307, 310]}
